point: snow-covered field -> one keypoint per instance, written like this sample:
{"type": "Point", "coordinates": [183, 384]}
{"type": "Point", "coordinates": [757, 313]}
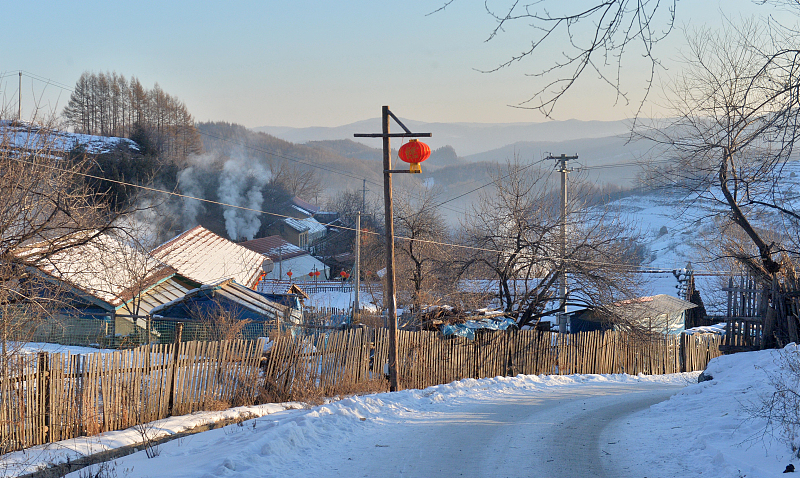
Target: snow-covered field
{"type": "Point", "coordinates": [702, 430]}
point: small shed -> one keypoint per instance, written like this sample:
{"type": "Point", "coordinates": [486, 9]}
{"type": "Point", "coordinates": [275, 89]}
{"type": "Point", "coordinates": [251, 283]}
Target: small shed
{"type": "Point", "coordinates": [214, 311]}
{"type": "Point", "coordinates": [661, 313]}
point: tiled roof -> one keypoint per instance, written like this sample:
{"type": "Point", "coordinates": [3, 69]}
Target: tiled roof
{"type": "Point", "coordinates": [236, 293]}
{"type": "Point", "coordinates": [274, 247]}
{"type": "Point", "coordinates": [163, 292]}
{"type": "Point", "coordinates": [205, 257]}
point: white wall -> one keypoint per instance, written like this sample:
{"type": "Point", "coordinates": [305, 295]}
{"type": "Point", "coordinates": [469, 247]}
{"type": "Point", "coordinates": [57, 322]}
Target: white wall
{"type": "Point", "coordinates": [300, 267]}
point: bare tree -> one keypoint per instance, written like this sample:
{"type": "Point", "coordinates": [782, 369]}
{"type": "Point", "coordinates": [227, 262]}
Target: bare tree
{"type": "Point", "coordinates": [422, 260]}
{"type": "Point", "coordinates": [45, 209]}
{"type": "Point", "coordinates": [736, 119]}
{"type": "Point", "coordinates": [515, 233]}
{"type": "Point", "coordinates": [298, 180]}
{"type": "Point", "coordinates": [593, 38]}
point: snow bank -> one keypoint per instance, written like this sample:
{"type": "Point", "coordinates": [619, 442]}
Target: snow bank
{"type": "Point", "coordinates": [706, 427]}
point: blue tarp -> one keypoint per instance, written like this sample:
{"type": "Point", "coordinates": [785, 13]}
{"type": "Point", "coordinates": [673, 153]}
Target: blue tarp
{"type": "Point", "coordinates": [468, 328]}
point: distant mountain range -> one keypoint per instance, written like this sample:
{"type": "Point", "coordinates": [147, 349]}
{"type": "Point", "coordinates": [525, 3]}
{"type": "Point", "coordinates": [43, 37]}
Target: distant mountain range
{"type": "Point", "coordinates": [605, 155]}
{"type": "Point", "coordinates": [466, 138]}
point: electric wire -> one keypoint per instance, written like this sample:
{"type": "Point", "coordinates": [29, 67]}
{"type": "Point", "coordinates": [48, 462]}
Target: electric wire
{"type": "Point", "coordinates": [337, 171]}
{"type": "Point", "coordinates": [626, 268]}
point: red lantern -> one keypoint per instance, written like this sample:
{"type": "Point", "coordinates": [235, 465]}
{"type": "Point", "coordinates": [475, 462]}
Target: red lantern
{"type": "Point", "coordinates": [311, 274]}
{"type": "Point", "coordinates": [343, 273]}
{"type": "Point", "coordinates": [289, 274]}
{"type": "Point", "coordinates": [316, 273]}
{"type": "Point", "coordinates": [414, 152]}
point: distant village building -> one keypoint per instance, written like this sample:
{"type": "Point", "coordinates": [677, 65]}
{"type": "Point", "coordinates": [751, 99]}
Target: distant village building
{"type": "Point", "coordinates": [300, 228]}
{"type": "Point", "coordinates": [287, 257]}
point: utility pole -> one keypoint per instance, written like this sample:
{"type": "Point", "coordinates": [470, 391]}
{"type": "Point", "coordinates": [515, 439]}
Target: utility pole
{"type": "Point", "coordinates": [391, 298]}
{"type": "Point", "coordinates": [19, 99]}
{"type": "Point", "coordinates": [364, 195]}
{"type": "Point", "coordinates": [357, 270]}
{"type": "Point", "coordinates": [561, 164]}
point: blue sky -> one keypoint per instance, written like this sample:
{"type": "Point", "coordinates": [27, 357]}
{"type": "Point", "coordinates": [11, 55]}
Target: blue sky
{"type": "Point", "coordinates": [303, 62]}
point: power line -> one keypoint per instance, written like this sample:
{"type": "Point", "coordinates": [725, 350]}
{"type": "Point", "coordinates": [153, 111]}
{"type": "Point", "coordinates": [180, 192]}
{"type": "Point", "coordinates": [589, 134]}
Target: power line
{"type": "Point", "coordinates": [334, 170]}
{"type": "Point", "coordinates": [494, 181]}
{"type": "Point", "coordinates": [623, 268]}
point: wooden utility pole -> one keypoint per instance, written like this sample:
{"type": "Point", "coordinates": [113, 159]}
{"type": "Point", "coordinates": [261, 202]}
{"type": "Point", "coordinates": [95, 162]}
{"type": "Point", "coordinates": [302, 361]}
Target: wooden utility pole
{"type": "Point", "coordinates": [357, 270]}
{"type": "Point", "coordinates": [562, 281]}
{"type": "Point", "coordinates": [391, 297]}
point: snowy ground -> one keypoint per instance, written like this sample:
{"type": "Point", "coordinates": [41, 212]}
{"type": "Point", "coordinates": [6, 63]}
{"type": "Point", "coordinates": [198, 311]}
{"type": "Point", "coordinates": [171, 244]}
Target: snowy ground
{"type": "Point", "coordinates": [702, 430]}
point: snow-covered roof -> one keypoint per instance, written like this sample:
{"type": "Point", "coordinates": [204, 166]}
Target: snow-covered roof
{"type": "Point", "coordinates": [304, 206]}
{"type": "Point", "coordinates": [105, 268]}
{"type": "Point", "coordinates": [310, 225]}
{"type": "Point", "coordinates": [274, 247]}
{"type": "Point", "coordinates": [651, 306]}
{"type": "Point", "coordinates": [205, 257]}
{"type": "Point", "coordinates": [31, 137]}
{"type": "Point", "coordinates": [716, 329]}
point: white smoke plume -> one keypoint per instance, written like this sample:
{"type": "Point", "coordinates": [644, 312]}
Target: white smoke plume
{"type": "Point", "coordinates": [240, 185]}
{"type": "Point", "coordinates": [189, 185]}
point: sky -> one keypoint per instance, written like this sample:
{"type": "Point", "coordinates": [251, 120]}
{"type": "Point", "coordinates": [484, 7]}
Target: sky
{"type": "Point", "coordinates": [311, 63]}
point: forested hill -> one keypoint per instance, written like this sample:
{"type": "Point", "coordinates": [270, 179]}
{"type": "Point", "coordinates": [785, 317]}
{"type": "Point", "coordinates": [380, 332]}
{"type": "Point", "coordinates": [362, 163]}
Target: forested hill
{"type": "Point", "coordinates": [335, 171]}
{"type": "Point", "coordinates": [440, 157]}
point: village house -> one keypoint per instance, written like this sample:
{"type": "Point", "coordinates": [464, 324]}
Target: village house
{"type": "Point", "coordinates": [206, 258]}
{"type": "Point", "coordinates": [287, 257]}
{"type": "Point", "coordinates": [661, 314]}
{"type": "Point", "coordinates": [299, 227]}
{"type": "Point", "coordinates": [105, 289]}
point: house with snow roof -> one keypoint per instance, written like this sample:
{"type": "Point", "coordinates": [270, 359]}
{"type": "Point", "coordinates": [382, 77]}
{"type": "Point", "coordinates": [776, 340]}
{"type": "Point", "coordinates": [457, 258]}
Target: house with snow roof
{"type": "Point", "coordinates": [214, 311]}
{"type": "Point", "coordinates": [207, 258]}
{"type": "Point", "coordinates": [105, 289]}
{"type": "Point", "coordinates": [662, 314]}
{"type": "Point", "coordinates": [287, 257]}
{"type": "Point", "coordinates": [299, 227]}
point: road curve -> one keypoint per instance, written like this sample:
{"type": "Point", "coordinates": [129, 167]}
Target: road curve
{"type": "Point", "coordinates": [557, 434]}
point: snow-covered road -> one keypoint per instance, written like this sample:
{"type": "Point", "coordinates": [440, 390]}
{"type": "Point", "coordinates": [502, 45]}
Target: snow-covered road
{"type": "Point", "coordinates": [504, 427]}
{"type": "Point", "coordinates": [513, 435]}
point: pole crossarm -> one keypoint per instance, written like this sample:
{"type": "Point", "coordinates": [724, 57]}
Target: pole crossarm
{"type": "Point", "coordinates": [397, 120]}
{"type": "Point", "coordinates": [392, 135]}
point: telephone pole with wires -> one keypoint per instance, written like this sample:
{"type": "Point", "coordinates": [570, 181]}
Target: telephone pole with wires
{"type": "Point", "coordinates": [391, 299]}
{"type": "Point", "coordinates": [561, 165]}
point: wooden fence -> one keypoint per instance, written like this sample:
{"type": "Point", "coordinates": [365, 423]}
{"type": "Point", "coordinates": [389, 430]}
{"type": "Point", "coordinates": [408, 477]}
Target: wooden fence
{"type": "Point", "coordinates": [50, 397]}
{"type": "Point", "coordinates": [761, 314]}
{"type": "Point", "coordinates": [351, 359]}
